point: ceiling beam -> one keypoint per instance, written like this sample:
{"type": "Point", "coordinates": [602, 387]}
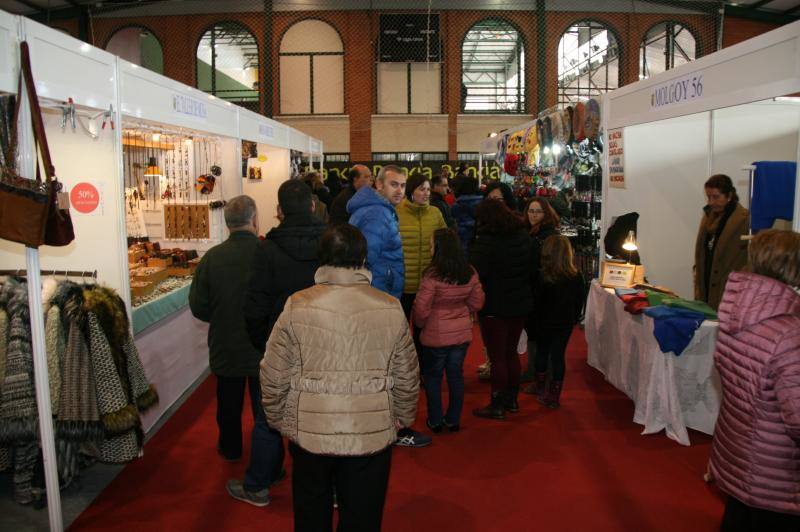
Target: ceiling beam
{"type": "Point", "coordinates": [31, 5]}
{"type": "Point", "coordinates": [760, 15]}
{"type": "Point", "coordinates": [756, 5]}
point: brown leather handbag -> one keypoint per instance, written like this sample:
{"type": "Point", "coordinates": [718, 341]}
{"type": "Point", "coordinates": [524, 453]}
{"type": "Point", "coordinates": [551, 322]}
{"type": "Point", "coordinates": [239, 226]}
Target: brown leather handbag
{"type": "Point", "coordinates": [29, 212]}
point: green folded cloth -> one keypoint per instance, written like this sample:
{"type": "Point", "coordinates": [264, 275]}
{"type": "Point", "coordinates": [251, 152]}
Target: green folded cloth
{"type": "Point", "coordinates": [697, 306]}
{"type": "Point", "coordinates": [659, 298]}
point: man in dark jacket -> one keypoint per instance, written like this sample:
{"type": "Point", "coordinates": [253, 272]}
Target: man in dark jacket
{"type": "Point", "coordinates": [440, 189]}
{"type": "Point", "coordinates": [358, 176]}
{"type": "Point", "coordinates": [218, 296]}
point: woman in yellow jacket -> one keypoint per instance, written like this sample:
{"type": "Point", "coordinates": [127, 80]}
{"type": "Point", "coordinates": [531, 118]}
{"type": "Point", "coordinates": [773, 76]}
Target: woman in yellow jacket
{"type": "Point", "coordinates": [418, 220]}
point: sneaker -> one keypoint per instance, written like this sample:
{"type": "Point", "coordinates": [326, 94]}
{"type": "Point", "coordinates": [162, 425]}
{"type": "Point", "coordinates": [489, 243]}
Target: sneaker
{"type": "Point", "coordinates": [411, 438]}
{"type": "Point", "coordinates": [452, 428]}
{"type": "Point", "coordinates": [256, 498]}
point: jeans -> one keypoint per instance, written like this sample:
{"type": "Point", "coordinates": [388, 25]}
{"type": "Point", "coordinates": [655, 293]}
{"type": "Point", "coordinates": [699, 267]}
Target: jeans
{"type": "Point", "coordinates": [449, 360]}
{"type": "Point", "coordinates": [266, 444]}
{"type": "Point", "coordinates": [501, 336]}
{"type": "Point", "coordinates": [550, 347]}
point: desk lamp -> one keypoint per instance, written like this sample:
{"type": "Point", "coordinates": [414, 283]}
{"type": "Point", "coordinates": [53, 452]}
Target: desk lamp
{"type": "Point", "coordinates": [630, 245]}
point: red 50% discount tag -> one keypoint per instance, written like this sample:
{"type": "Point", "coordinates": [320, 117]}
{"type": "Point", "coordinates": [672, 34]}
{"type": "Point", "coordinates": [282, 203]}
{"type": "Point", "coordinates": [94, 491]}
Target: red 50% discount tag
{"type": "Point", "coordinates": [84, 198]}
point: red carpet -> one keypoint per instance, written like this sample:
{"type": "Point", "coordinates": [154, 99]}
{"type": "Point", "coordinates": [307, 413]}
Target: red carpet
{"type": "Point", "coordinates": [583, 467]}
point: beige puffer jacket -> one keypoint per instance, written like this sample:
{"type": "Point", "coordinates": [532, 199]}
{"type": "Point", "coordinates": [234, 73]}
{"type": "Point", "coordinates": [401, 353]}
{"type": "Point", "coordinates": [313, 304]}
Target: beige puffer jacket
{"type": "Point", "coordinates": [340, 367]}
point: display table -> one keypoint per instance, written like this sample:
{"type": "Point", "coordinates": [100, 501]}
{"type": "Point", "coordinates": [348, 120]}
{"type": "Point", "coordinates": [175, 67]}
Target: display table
{"type": "Point", "coordinates": [670, 392]}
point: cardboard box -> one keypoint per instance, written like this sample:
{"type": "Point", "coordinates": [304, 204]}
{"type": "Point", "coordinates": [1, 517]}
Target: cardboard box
{"type": "Point", "coordinates": [141, 288]}
{"type": "Point", "coordinates": [180, 271]}
{"type": "Point", "coordinates": [157, 262]}
{"type": "Point", "coordinates": [150, 275]}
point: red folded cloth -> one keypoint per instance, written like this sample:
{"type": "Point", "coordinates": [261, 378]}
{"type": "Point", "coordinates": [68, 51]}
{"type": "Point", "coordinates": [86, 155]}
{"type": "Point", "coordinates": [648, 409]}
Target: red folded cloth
{"type": "Point", "coordinates": [635, 303]}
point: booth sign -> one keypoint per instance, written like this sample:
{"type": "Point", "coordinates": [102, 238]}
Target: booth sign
{"type": "Point", "coordinates": [616, 159]}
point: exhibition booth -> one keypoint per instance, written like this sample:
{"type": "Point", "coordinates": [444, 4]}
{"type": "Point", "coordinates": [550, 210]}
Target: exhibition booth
{"type": "Point", "coordinates": [731, 112]}
{"type": "Point", "coordinates": [148, 163]}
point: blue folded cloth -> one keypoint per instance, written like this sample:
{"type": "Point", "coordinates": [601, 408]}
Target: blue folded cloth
{"type": "Point", "coordinates": [674, 327]}
{"type": "Point", "coordinates": [773, 193]}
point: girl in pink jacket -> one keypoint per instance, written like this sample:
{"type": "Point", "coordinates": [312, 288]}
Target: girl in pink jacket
{"type": "Point", "coordinates": [755, 456]}
{"type": "Point", "coordinates": [448, 294]}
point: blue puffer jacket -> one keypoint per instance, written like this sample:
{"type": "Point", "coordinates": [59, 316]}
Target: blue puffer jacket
{"type": "Point", "coordinates": [464, 212]}
{"type": "Point", "coordinates": [376, 218]}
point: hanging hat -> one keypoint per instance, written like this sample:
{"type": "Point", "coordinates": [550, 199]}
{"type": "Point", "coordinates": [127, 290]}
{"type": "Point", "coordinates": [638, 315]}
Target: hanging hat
{"type": "Point", "coordinates": [579, 122]}
{"type": "Point", "coordinates": [205, 184]}
{"type": "Point", "coordinates": [566, 119]}
{"type": "Point", "coordinates": [592, 124]}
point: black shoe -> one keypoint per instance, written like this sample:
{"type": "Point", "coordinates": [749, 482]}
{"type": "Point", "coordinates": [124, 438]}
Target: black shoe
{"type": "Point", "coordinates": [452, 428]}
{"type": "Point", "coordinates": [228, 458]}
{"type": "Point", "coordinates": [494, 410]}
{"type": "Point", "coordinates": [511, 404]}
{"type": "Point", "coordinates": [435, 428]}
{"type": "Point", "coordinates": [411, 438]}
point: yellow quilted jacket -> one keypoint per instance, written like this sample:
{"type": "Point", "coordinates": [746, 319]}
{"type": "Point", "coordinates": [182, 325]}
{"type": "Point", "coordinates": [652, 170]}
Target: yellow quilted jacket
{"type": "Point", "coordinates": [417, 224]}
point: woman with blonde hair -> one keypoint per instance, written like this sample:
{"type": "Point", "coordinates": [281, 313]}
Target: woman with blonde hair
{"type": "Point", "coordinates": [755, 455]}
{"type": "Point", "coordinates": [559, 294]}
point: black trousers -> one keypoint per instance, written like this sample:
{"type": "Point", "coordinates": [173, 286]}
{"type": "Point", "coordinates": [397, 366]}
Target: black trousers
{"type": "Point", "coordinates": [407, 302]}
{"type": "Point", "coordinates": [230, 399]}
{"type": "Point", "coordinates": [360, 483]}
{"type": "Point", "coordinates": [739, 517]}
{"type": "Point", "coordinates": [551, 346]}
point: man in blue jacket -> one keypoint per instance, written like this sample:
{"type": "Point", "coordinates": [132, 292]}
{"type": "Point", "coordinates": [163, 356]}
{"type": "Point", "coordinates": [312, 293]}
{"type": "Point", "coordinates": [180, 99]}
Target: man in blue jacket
{"type": "Point", "coordinates": [372, 211]}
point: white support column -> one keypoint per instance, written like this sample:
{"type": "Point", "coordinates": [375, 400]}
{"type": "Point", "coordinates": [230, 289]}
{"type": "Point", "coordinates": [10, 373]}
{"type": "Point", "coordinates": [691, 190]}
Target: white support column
{"type": "Point", "coordinates": [41, 377]}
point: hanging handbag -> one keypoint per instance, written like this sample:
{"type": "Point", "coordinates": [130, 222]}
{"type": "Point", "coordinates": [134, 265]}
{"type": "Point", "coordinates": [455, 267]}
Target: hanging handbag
{"type": "Point", "coordinates": [29, 212]}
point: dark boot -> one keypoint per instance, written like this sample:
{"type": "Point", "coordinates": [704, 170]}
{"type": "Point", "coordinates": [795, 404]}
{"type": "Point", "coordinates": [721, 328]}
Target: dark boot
{"type": "Point", "coordinates": [493, 410]}
{"type": "Point", "coordinates": [511, 400]}
{"type": "Point", "coordinates": [551, 397]}
{"type": "Point", "coordinates": [537, 388]}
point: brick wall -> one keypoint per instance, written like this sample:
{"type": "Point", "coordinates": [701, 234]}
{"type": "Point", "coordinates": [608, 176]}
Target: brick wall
{"type": "Point", "coordinates": [736, 30]}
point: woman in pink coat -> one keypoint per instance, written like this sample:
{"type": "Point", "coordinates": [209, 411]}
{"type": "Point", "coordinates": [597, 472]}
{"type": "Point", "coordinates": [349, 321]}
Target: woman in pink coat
{"type": "Point", "coordinates": [449, 292]}
{"type": "Point", "coordinates": [755, 456]}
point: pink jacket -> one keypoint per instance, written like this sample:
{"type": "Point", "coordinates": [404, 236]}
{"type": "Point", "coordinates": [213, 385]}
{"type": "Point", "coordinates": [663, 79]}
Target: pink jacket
{"type": "Point", "coordinates": [443, 310]}
{"type": "Point", "coordinates": [755, 455]}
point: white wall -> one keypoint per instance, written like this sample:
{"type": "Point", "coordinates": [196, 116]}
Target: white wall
{"type": "Point", "coordinates": [274, 171]}
{"type": "Point", "coordinates": [761, 131]}
{"type": "Point", "coordinates": [666, 164]}
{"type": "Point", "coordinates": [99, 239]}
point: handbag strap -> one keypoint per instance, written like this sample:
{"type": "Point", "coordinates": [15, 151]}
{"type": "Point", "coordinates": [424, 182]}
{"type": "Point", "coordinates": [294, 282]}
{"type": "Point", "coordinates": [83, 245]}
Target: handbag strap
{"type": "Point", "coordinates": [40, 138]}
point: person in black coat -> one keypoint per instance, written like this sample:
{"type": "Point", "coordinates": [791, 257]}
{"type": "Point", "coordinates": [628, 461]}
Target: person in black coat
{"type": "Point", "coordinates": [560, 295]}
{"type": "Point", "coordinates": [283, 263]}
{"type": "Point", "coordinates": [440, 189]}
{"type": "Point", "coordinates": [358, 176]}
{"type": "Point", "coordinates": [217, 295]}
{"type": "Point", "coordinates": [541, 221]}
{"type": "Point", "coordinates": [501, 253]}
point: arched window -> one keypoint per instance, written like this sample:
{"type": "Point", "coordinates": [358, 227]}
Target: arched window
{"type": "Point", "coordinates": [227, 64]}
{"type": "Point", "coordinates": [588, 62]}
{"type": "Point", "coordinates": [666, 45]}
{"type": "Point", "coordinates": [311, 69]}
{"type": "Point", "coordinates": [493, 68]}
{"type": "Point", "coordinates": [138, 45]}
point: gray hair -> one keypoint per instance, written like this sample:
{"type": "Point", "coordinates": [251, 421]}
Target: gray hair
{"type": "Point", "coordinates": [389, 168]}
{"type": "Point", "coordinates": [239, 211]}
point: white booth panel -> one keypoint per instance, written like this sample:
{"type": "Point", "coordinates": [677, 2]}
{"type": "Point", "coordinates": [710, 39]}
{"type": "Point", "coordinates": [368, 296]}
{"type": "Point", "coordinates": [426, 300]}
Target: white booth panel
{"type": "Point", "coordinates": [298, 141]}
{"type": "Point", "coordinates": [150, 96]}
{"type": "Point", "coordinates": [64, 67]}
{"type": "Point", "coordinates": [9, 51]}
{"type": "Point", "coordinates": [666, 164]}
{"type": "Point", "coordinates": [765, 66]}
{"type": "Point", "coordinates": [274, 171]}
{"type": "Point", "coordinates": [762, 131]}
{"type": "Point", "coordinates": [258, 128]}
{"type": "Point", "coordinates": [99, 236]}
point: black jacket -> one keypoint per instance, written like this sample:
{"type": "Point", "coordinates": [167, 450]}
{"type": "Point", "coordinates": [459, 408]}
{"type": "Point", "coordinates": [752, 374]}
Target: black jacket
{"type": "Point", "coordinates": [217, 296]}
{"type": "Point", "coordinates": [537, 241]}
{"type": "Point", "coordinates": [283, 263]}
{"type": "Point", "coordinates": [437, 200]}
{"type": "Point", "coordinates": [559, 305]}
{"type": "Point", "coordinates": [503, 263]}
{"type": "Point", "coordinates": [338, 215]}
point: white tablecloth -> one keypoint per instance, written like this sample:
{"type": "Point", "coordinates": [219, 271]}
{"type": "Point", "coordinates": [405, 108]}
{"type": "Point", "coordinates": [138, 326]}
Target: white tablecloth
{"type": "Point", "coordinates": [670, 392]}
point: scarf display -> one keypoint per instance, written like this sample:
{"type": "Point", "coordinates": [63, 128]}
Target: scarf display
{"type": "Point", "coordinates": [98, 386]}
